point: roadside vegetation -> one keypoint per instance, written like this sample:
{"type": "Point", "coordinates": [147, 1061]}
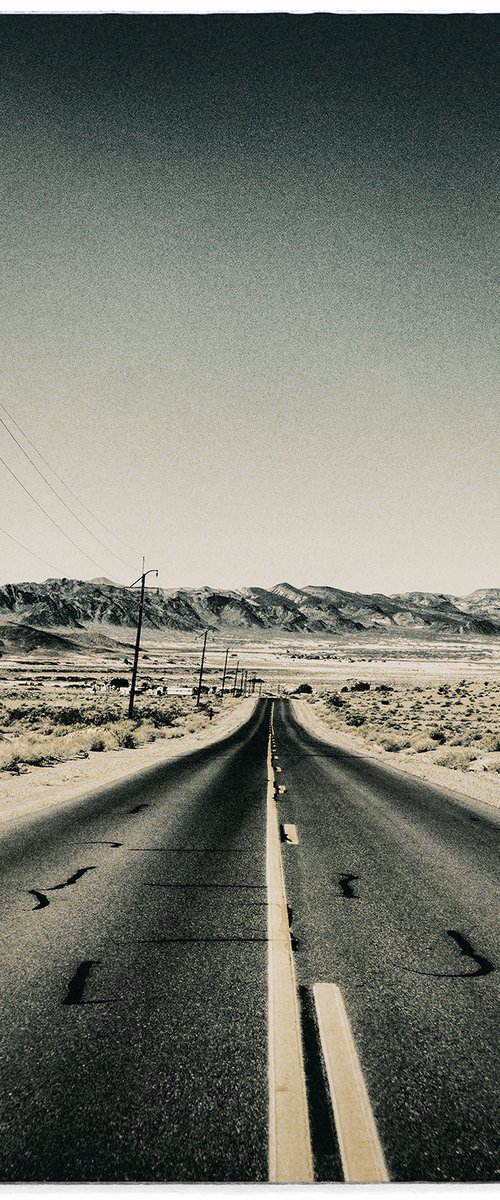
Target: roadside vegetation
{"type": "Point", "coordinates": [54, 728]}
{"type": "Point", "coordinates": [457, 724]}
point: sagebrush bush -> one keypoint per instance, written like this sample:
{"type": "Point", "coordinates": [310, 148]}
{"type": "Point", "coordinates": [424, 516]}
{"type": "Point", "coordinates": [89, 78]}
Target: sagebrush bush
{"type": "Point", "coordinates": [159, 714]}
{"type": "Point", "coordinates": [422, 744]}
{"type": "Point", "coordinates": [458, 758]}
{"type": "Point", "coordinates": [393, 743]}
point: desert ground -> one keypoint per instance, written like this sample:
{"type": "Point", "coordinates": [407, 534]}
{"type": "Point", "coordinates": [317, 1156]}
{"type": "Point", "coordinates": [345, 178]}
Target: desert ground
{"type": "Point", "coordinates": [421, 704]}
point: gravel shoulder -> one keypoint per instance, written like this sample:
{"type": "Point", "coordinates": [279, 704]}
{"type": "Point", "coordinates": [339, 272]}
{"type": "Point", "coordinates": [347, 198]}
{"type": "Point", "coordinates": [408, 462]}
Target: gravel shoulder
{"type": "Point", "coordinates": [484, 788]}
{"type": "Point", "coordinates": [46, 787]}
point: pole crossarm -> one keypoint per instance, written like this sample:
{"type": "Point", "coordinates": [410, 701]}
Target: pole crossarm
{"type": "Point", "coordinates": [142, 578]}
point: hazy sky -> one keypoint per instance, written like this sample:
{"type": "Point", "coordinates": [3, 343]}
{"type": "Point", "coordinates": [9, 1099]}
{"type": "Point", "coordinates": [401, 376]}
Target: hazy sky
{"type": "Point", "coordinates": [248, 296]}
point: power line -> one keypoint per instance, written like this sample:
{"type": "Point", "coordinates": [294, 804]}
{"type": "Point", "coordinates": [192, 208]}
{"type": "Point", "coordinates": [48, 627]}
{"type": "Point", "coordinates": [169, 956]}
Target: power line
{"type": "Point", "coordinates": [59, 497]}
{"type": "Point", "coordinates": [47, 514]}
{"type": "Point", "coordinates": [28, 551]}
{"type": "Point", "coordinates": [65, 485]}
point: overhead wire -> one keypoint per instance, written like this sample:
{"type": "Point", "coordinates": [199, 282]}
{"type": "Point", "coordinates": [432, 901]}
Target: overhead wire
{"type": "Point", "coordinates": [61, 498]}
{"type": "Point", "coordinates": [51, 518]}
{"type": "Point", "coordinates": [65, 485]}
{"type": "Point", "coordinates": [28, 551]}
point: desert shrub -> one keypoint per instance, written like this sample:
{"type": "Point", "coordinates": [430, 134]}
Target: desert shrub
{"type": "Point", "coordinates": [393, 743]}
{"type": "Point", "coordinates": [458, 758]}
{"type": "Point", "coordinates": [158, 714]}
{"type": "Point", "coordinates": [9, 758]}
{"type": "Point", "coordinates": [69, 715]}
{"type": "Point", "coordinates": [438, 735]}
{"type": "Point", "coordinates": [360, 686]}
{"type": "Point", "coordinates": [98, 744]}
{"type": "Point", "coordinates": [129, 741]}
{"type": "Point", "coordinates": [355, 719]}
{"type": "Point", "coordinates": [491, 742]}
{"type": "Point", "coordinates": [422, 744]}
{"type": "Point", "coordinates": [27, 714]}
{"type": "Point", "coordinates": [335, 701]}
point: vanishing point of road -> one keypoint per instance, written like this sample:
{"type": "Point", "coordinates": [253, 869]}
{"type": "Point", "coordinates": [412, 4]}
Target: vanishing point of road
{"type": "Point", "coordinates": [174, 974]}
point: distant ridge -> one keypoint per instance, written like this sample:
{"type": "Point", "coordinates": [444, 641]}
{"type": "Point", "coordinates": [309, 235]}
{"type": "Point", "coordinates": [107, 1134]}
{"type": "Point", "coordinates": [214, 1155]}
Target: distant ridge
{"type": "Point", "coordinates": [65, 604]}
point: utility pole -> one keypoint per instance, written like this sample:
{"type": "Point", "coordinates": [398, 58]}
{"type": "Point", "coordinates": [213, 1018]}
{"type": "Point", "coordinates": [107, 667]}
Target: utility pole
{"type": "Point", "coordinates": [224, 673]}
{"type": "Point", "coordinates": [244, 682]}
{"type": "Point", "coordinates": [142, 578]}
{"type": "Point", "coordinates": [235, 677]}
{"type": "Point", "coordinates": [201, 666]}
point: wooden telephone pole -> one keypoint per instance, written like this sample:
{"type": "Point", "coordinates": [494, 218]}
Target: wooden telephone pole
{"type": "Point", "coordinates": [224, 673]}
{"type": "Point", "coordinates": [201, 666]}
{"type": "Point", "coordinates": [142, 578]}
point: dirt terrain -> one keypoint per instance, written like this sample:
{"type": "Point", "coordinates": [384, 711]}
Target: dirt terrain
{"type": "Point", "coordinates": [466, 762]}
{"type": "Point", "coordinates": [422, 702]}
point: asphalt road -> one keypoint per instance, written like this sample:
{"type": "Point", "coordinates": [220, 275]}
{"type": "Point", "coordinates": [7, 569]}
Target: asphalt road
{"type": "Point", "coordinates": [394, 895]}
{"type": "Point", "coordinates": [133, 1009]}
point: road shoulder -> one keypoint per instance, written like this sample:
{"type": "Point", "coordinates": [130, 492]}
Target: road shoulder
{"type": "Point", "coordinates": [462, 785]}
{"type": "Point", "coordinates": [44, 788]}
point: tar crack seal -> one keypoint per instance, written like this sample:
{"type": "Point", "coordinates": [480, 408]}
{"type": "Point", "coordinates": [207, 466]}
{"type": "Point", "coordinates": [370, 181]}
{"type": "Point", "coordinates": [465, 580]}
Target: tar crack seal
{"type": "Point", "coordinates": [76, 985]}
{"type": "Point", "coordinates": [345, 885]}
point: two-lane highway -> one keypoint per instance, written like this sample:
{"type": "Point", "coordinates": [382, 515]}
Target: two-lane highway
{"type": "Point", "coordinates": [135, 927]}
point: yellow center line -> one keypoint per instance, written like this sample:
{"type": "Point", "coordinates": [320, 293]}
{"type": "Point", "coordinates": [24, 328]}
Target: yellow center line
{"type": "Point", "coordinates": [290, 1155]}
{"type": "Point", "coordinates": [361, 1152]}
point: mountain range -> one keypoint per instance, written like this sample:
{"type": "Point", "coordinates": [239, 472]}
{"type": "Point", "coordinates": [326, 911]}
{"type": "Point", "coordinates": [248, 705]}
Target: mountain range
{"type": "Point", "coordinates": [97, 605]}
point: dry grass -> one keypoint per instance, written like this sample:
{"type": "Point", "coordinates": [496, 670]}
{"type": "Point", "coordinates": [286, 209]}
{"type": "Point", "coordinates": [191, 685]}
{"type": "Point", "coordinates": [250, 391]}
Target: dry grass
{"type": "Point", "coordinates": [54, 727]}
{"type": "Point", "coordinates": [457, 724]}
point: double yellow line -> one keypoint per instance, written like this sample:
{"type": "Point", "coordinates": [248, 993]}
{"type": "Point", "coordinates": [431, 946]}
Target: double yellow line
{"type": "Point", "coordinates": [290, 1155]}
{"type": "Point", "coordinates": [290, 1152]}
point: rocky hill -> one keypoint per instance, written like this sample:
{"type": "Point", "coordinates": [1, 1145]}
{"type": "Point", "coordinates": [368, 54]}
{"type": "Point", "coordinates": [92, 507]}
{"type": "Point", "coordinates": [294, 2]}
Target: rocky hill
{"type": "Point", "coordinates": [79, 605]}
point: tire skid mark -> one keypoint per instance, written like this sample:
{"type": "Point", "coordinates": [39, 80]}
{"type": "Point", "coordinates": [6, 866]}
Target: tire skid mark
{"type": "Point", "coordinates": [138, 808]}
